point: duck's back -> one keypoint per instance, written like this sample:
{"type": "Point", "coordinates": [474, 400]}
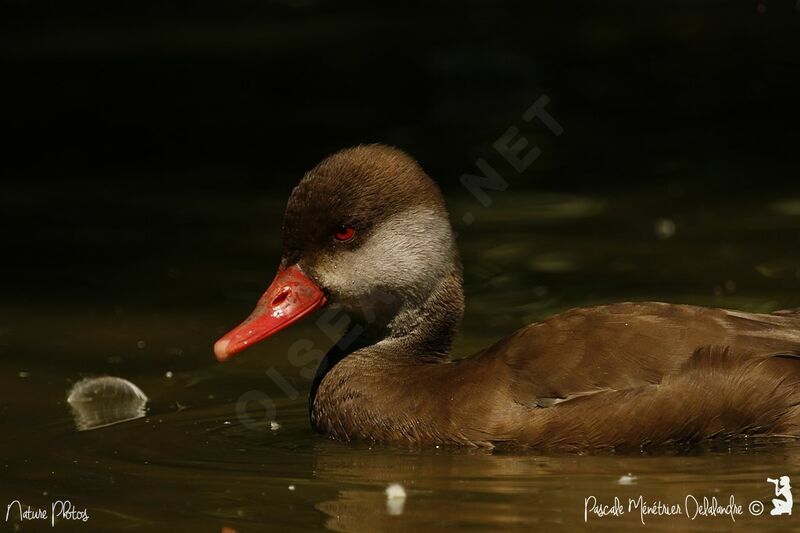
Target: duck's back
{"type": "Point", "coordinates": [640, 373]}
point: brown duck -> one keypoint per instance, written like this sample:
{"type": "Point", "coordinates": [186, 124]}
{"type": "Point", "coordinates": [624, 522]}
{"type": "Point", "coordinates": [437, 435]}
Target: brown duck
{"type": "Point", "coordinates": [367, 230]}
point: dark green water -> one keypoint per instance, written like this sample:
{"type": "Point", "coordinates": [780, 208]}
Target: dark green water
{"type": "Point", "coordinates": [144, 300]}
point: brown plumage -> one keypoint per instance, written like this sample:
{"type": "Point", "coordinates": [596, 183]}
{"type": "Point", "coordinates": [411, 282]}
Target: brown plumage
{"type": "Point", "coordinates": [626, 375]}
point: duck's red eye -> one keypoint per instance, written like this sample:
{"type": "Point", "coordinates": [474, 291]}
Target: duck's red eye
{"type": "Point", "coordinates": [345, 233]}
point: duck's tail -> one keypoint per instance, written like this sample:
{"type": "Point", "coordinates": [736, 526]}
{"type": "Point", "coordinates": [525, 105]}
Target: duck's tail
{"type": "Point", "coordinates": [758, 394]}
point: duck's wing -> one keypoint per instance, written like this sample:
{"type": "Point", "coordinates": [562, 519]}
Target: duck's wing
{"type": "Point", "coordinates": [717, 393]}
{"type": "Point", "coordinates": [627, 345]}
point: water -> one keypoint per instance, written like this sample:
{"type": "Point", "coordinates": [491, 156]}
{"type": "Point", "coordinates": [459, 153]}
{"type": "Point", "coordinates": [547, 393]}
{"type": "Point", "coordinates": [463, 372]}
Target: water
{"type": "Point", "coordinates": [144, 295]}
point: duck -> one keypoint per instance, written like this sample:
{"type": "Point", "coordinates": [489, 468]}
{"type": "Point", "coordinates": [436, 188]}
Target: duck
{"type": "Point", "coordinates": [367, 232]}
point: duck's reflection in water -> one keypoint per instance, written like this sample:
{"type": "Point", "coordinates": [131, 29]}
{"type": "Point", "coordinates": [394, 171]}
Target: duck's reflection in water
{"type": "Point", "coordinates": [449, 489]}
{"type": "Point", "coordinates": [446, 488]}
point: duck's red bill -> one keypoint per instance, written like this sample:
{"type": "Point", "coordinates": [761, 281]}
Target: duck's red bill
{"type": "Point", "coordinates": [291, 297]}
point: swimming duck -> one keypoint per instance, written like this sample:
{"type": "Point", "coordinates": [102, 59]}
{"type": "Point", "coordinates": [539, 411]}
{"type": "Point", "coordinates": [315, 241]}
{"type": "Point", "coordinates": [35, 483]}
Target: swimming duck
{"type": "Point", "coordinates": [367, 230]}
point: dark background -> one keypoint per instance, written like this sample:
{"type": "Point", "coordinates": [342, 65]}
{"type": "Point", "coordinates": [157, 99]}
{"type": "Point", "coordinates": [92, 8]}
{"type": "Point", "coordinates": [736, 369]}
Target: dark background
{"type": "Point", "coordinates": [148, 153]}
{"type": "Point", "coordinates": [143, 138]}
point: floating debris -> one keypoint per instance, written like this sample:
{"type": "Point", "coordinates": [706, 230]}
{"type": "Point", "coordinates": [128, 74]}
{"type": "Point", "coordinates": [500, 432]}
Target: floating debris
{"type": "Point", "coordinates": [665, 229]}
{"type": "Point", "coordinates": [395, 499]}
{"type": "Point", "coordinates": [627, 479]}
{"type": "Point", "coordinates": [101, 402]}
{"type": "Point", "coordinates": [291, 487]}
{"type": "Point", "coordinates": [274, 426]}
{"type": "Point", "coordinates": [169, 374]}
{"type": "Point", "coordinates": [23, 374]}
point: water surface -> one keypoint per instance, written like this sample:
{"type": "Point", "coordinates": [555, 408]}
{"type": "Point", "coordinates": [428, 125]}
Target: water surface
{"type": "Point", "coordinates": [144, 301]}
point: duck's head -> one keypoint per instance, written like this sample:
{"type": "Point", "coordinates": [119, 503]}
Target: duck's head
{"type": "Point", "coordinates": [366, 230]}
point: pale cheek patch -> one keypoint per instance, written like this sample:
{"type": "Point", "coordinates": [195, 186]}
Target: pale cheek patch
{"type": "Point", "coordinates": [408, 254]}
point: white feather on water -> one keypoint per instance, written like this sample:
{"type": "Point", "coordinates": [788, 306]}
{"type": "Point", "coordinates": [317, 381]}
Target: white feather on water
{"type": "Point", "coordinates": [103, 401]}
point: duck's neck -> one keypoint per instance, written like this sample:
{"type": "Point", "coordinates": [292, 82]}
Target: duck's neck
{"type": "Point", "coordinates": [366, 359]}
{"type": "Point", "coordinates": [423, 330]}
{"type": "Point", "coordinates": [427, 329]}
